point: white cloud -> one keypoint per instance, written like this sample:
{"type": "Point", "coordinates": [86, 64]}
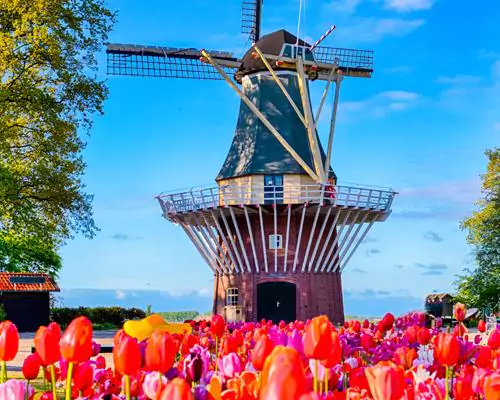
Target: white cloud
{"type": "Point", "coordinates": [465, 191]}
{"type": "Point", "coordinates": [344, 6]}
{"type": "Point", "coordinates": [409, 5]}
{"type": "Point", "coordinates": [459, 79]}
{"type": "Point", "coordinates": [371, 30]}
{"type": "Point", "coordinates": [399, 95]}
{"type": "Point", "coordinates": [381, 104]}
{"type": "Point", "coordinates": [120, 294]}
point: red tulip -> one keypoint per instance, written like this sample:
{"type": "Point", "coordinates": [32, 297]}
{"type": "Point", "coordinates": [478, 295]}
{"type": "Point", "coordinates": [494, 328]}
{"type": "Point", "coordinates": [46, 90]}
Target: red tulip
{"type": "Point", "coordinates": [423, 336]}
{"type": "Point", "coordinates": [161, 351]}
{"type": "Point", "coordinates": [127, 356]}
{"type": "Point", "coordinates": [9, 341]}
{"type": "Point", "coordinates": [494, 339]}
{"type": "Point", "coordinates": [411, 334]}
{"type": "Point", "coordinates": [386, 381]}
{"type": "Point", "coordinates": [31, 367]}
{"type": "Point", "coordinates": [367, 341]}
{"type": "Point", "coordinates": [55, 328]}
{"type": "Point", "coordinates": [263, 347]}
{"type": "Point", "coordinates": [283, 375]}
{"type": "Point", "coordinates": [47, 345]}
{"type": "Point", "coordinates": [177, 389]}
{"type": "Point", "coordinates": [446, 349]}
{"type": "Point", "coordinates": [481, 326]}
{"type": "Point", "coordinates": [83, 377]}
{"type": "Point", "coordinates": [459, 311]}
{"type": "Point", "coordinates": [336, 353]}
{"type": "Point", "coordinates": [463, 385]}
{"type": "Point", "coordinates": [76, 342]}
{"type": "Point", "coordinates": [387, 321]}
{"type": "Point", "coordinates": [318, 338]}
{"type": "Point", "coordinates": [218, 325]}
{"type": "Point", "coordinates": [483, 359]}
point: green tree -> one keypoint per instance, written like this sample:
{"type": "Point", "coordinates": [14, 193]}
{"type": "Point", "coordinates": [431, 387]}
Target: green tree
{"type": "Point", "coordinates": [48, 95]}
{"type": "Point", "coordinates": [480, 287]}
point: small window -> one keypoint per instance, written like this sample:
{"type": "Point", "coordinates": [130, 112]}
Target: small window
{"type": "Point", "coordinates": [275, 242]}
{"type": "Point", "coordinates": [232, 297]}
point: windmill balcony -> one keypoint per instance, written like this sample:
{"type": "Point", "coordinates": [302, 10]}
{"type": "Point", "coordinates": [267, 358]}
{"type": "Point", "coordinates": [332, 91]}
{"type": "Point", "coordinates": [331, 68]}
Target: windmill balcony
{"type": "Point", "coordinates": [343, 196]}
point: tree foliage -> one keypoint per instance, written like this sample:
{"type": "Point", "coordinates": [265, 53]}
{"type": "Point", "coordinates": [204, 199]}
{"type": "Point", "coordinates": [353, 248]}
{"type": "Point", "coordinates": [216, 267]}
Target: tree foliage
{"type": "Point", "coordinates": [48, 95]}
{"type": "Point", "coordinates": [480, 287]}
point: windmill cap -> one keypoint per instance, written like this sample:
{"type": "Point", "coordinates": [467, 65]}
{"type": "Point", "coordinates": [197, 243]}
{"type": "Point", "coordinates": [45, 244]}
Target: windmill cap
{"type": "Point", "coordinates": [272, 44]}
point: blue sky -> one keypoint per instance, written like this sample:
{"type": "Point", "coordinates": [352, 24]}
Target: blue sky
{"type": "Point", "coordinates": [420, 126]}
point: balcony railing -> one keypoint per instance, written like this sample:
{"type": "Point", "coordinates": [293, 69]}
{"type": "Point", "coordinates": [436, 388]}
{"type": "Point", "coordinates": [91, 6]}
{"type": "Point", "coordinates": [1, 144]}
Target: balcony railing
{"type": "Point", "coordinates": [220, 196]}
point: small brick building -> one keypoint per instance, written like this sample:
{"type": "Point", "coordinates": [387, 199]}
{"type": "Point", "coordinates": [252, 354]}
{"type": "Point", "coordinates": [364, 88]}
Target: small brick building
{"type": "Point", "coordinates": [25, 298]}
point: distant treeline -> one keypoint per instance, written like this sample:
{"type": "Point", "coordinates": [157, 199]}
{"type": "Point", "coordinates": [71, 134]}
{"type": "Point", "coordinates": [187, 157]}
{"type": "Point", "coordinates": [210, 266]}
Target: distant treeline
{"type": "Point", "coordinates": [180, 316]}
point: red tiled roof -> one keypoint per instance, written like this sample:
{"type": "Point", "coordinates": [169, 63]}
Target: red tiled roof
{"type": "Point", "coordinates": [20, 282]}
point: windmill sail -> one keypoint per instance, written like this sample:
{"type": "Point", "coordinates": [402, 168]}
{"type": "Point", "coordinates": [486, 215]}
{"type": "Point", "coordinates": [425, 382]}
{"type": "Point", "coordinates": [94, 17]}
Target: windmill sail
{"type": "Point", "coordinates": [165, 62]}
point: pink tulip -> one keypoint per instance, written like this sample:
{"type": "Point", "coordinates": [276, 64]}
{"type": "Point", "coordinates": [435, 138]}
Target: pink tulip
{"type": "Point", "coordinates": [150, 385]}
{"type": "Point", "coordinates": [321, 370]}
{"type": "Point", "coordinates": [15, 389]}
{"type": "Point", "coordinates": [230, 365]}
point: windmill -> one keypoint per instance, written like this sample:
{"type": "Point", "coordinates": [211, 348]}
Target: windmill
{"type": "Point", "coordinates": [277, 230]}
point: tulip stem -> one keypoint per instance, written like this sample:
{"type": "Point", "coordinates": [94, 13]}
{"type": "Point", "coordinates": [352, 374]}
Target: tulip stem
{"type": "Point", "coordinates": [316, 376]}
{"type": "Point", "coordinates": [4, 371]}
{"type": "Point", "coordinates": [68, 380]}
{"type": "Point", "coordinates": [160, 382]}
{"type": "Point", "coordinates": [326, 381]}
{"type": "Point", "coordinates": [127, 387]}
{"type": "Point", "coordinates": [53, 381]}
{"type": "Point", "coordinates": [26, 394]}
{"type": "Point", "coordinates": [216, 351]}
{"type": "Point", "coordinates": [447, 396]}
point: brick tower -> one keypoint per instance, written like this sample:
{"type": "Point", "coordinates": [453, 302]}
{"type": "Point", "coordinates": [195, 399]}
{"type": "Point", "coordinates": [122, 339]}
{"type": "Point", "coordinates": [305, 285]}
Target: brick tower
{"type": "Point", "coordinates": [277, 230]}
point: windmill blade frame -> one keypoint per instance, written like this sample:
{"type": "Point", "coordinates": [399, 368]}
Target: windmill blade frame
{"type": "Point", "coordinates": [166, 62]}
{"type": "Point", "coordinates": [251, 18]}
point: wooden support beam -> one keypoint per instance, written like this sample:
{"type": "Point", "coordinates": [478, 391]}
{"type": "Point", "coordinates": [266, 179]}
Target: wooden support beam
{"type": "Point", "coordinates": [332, 124]}
{"type": "Point", "coordinates": [252, 241]}
{"type": "Point", "coordinates": [327, 240]}
{"type": "Point", "coordinates": [264, 247]}
{"type": "Point", "coordinates": [344, 239]}
{"type": "Point", "coordinates": [224, 240]}
{"type": "Point", "coordinates": [318, 240]}
{"type": "Point", "coordinates": [238, 234]}
{"type": "Point", "coordinates": [297, 243]}
{"type": "Point", "coordinates": [262, 118]}
{"type": "Point", "coordinates": [280, 85]}
{"type": "Point", "coordinates": [289, 213]}
{"type": "Point", "coordinates": [323, 97]}
{"type": "Point", "coordinates": [311, 128]}
{"type": "Point", "coordinates": [311, 236]}
{"type": "Point", "coordinates": [231, 239]}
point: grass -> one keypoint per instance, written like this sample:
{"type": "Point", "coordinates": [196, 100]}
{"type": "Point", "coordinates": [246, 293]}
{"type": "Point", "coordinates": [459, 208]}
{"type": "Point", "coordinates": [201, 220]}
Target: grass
{"type": "Point", "coordinates": [39, 384]}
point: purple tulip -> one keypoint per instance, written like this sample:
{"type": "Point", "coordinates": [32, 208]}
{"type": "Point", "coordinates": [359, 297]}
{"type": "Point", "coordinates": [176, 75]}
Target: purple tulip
{"type": "Point", "coordinates": [196, 363]}
{"type": "Point", "coordinates": [230, 365]}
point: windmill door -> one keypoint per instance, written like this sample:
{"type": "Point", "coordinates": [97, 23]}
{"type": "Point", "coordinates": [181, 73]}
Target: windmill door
{"type": "Point", "coordinates": [273, 189]}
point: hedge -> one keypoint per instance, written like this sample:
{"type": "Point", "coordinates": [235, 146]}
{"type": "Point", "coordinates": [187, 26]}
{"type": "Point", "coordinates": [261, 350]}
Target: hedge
{"type": "Point", "coordinates": [98, 315]}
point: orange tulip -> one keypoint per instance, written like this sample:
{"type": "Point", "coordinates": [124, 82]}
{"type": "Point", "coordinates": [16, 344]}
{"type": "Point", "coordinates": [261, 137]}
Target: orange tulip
{"type": "Point", "coordinates": [318, 338]}
{"type": "Point", "coordinates": [261, 351]}
{"type": "Point", "coordinates": [492, 386]}
{"type": "Point", "coordinates": [446, 349]}
{"type": "Point", "coordinates": [177, 389]}
{"type": "Point", "coordinates": [76, 342]}
{"type": "Point", "coordinates": [386, 381]}
{"type": "Point", "coordinates": [404, 356]}
{"type": "Point", "coordinates": [283, 376]}
{"type": "Point", "coordinates": [47, 345]}
{"type": "Point", "coordinates": [161, 351]}
{"type": "Point", "coordinates": [459, 311]}
{"type": "Point", "coordinates": [9, 341]}
{"type": "Point", "coordinates": [127, 355]}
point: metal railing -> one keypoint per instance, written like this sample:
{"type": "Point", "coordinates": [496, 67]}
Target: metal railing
{"type": "Point", "coordinates": [220, 196]}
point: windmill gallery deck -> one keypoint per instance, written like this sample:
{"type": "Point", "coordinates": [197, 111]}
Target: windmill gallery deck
{"type": "Point", "coordinates": [277, 230]}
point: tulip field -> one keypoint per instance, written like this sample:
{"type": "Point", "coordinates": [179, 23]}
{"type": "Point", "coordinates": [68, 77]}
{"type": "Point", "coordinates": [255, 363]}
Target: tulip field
{"type": "Point", "coordinates": [396, 358]}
